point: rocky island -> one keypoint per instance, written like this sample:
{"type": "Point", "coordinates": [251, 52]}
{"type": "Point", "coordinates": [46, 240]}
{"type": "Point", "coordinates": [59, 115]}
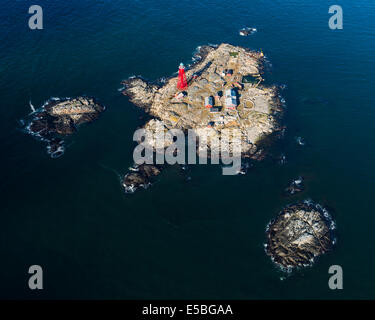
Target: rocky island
{"type": "Point", "coordinates": [296, 186]}
{"type": "Point", "coordinates": [140, 176]}
{"type": "Point", "coordinates": [299, 235]}
{"type": "Point", "coordinates": [224, 89]}
{"type": "Point", "coordinates": [61, 117]}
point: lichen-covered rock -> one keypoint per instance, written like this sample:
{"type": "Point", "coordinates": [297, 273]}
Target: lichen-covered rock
{"type": "Point", "coordinates": [299, 234]}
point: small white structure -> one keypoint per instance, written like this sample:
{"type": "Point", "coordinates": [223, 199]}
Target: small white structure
{"type": "Point", "coordinates": [231, 99]}
{"type": "Point", "coordinates": [179, 96]}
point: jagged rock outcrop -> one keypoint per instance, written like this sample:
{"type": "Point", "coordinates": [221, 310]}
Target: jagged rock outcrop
{"type": "Point", "coordinates": [61, 117]}
{"type": "Point", "coordinates": [247, 31]}
{"type": "Point", "coordinates": [296, 186]}
{"type": "Point", "coordinates": [299, 234]}
{"type": "Point", "coordinates": [140, 177]}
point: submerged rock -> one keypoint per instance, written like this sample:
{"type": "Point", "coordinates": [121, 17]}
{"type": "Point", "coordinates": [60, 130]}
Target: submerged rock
{"type": "Point", "coordinates": [299, 234]}
{"type": "Point", "coordinates": [281, 160]}
{"type": "Point", "coordinates": [300, 141]}
{"type": "Point", "coordinates": [61, 117]}
{"type": "Point", "coordinates": [55, 148]}
{"type": "Point", "coordinates": [295, 186]}
{"type": "Point", "coordinates": [245, 167]}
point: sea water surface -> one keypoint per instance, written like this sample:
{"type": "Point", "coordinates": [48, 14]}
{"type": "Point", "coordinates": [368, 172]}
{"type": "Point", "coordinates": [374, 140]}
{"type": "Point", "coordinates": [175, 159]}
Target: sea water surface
{"type": "Point", "coordinates": [201, 238]}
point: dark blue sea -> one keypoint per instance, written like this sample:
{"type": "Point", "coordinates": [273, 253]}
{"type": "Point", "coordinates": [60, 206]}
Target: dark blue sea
{"type": "Point", "coordinates": [182, 239]}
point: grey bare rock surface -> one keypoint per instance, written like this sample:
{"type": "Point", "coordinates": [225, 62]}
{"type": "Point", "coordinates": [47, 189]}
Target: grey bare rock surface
{"type": "Point", "coordinates": [299, 234]}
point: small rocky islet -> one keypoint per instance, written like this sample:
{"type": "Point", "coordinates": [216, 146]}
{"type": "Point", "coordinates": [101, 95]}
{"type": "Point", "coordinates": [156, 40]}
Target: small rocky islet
{"type": "Point", "coordinates": [300, 234]}
{"type": "Point", "coordinates": [140, 177]}
{"type": "Point", "coordinates": [247, 31]}
{"type": "Point", "coordinates": [295, 186]}
{"type": "Point", "coordinates": [60, 117]}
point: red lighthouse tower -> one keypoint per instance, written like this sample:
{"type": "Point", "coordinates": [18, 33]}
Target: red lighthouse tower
{"type": "Point", "coordinates": [182, 83]}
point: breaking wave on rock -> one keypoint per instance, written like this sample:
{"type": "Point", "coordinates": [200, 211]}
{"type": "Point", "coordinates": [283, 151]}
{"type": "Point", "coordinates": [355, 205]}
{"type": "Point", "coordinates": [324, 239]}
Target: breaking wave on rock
{"type": "Point", "coordinates": [59, 117]}
{"type": "Point", "coordinates": [247, 31]}
{"type": "Point", "coordinates": [299, 235]}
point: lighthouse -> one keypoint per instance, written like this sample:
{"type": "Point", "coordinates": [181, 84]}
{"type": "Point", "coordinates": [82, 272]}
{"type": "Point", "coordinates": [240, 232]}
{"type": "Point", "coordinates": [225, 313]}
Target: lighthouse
{"type": "Point", "coordinates": [182, 83]}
